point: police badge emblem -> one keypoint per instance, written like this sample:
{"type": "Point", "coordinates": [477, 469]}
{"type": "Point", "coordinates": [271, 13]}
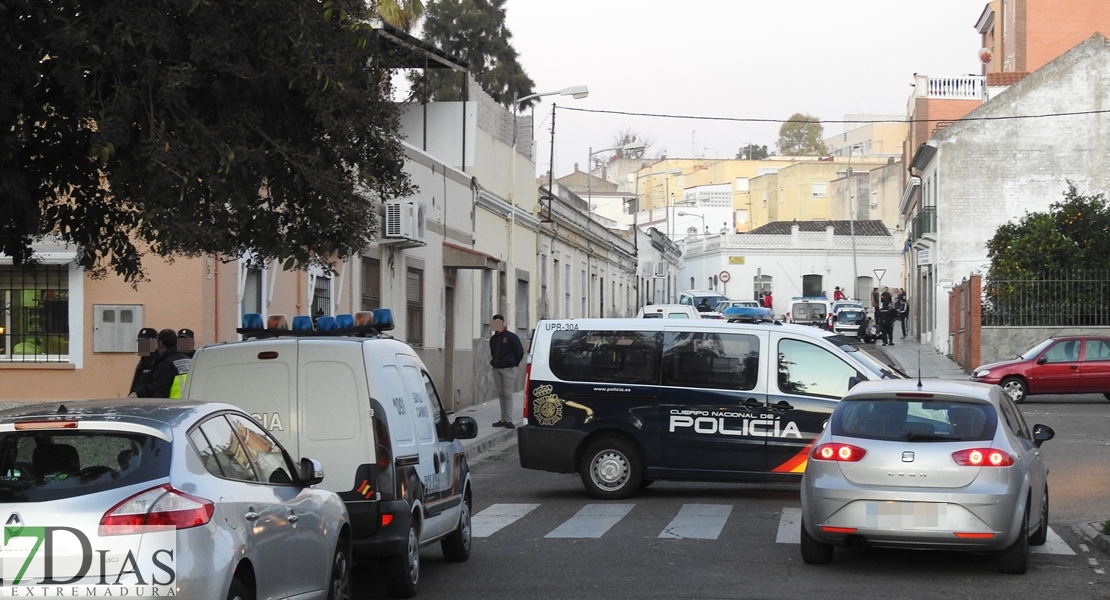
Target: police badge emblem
{"type": "Point", "coordinates": [547, 407]}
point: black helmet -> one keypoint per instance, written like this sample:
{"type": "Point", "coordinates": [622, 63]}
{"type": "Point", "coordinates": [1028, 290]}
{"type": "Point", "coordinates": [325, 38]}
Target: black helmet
{"type": "Point", "coordinates": [148, 333]}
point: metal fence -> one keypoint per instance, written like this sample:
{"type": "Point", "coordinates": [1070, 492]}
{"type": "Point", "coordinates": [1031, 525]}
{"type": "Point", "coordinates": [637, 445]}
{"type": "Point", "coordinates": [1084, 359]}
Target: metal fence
{"type": "Point", "coordinates": [1055, 298]}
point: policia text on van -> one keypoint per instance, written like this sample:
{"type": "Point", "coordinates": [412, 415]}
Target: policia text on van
{"type": "Point", "coordinates": [624, 402]}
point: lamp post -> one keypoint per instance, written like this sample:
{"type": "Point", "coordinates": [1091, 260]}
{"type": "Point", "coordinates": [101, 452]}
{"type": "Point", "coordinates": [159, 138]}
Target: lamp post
{"type": "Point", "coordinates": [704, 229]}
{"type": "Point", "coordinates": [589, 167]}
{"type": "Point", "coordinates": [852, 222]}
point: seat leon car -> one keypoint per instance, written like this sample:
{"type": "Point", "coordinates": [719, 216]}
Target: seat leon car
{"type": "Point", "coordinates": [948, 465]}
{"type": "Point", "coordinates": [194, 497]}
{"type": "Point", "coordinates": [1058, 365]}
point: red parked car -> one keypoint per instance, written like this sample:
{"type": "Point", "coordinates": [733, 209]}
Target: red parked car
{"type": "Point", "coordinates": [1058, 365]}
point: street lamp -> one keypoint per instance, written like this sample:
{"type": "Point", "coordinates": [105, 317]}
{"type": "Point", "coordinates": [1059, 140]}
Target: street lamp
{"type": "Point", "coordinates": [589, 167]}
{"type": "Point", "coordinates": [852, 222]}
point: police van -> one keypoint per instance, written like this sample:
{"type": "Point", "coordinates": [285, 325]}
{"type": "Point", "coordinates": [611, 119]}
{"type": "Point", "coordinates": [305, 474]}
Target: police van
{"type": "Point", "coordinates": [364, 405]}
{"type": "Point", "coordinates": [625, 402]}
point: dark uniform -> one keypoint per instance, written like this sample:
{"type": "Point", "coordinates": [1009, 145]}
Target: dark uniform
{"type": "Point", "coordinates": [885, 320]}
{"type": "Point", "coordinates": [146, 337]}
{"type": "Point", "coordinates": [167, 365]}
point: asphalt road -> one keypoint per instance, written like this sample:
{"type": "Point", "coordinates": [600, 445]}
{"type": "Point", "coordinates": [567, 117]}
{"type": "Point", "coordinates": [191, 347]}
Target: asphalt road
{"type": "Point", "coordinates": [538, 535]}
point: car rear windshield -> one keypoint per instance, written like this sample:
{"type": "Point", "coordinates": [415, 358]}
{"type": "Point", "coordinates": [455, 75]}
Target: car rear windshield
{"type": "Point", "coordinates": [914, 420]}
{"type": "Point", "coordinates": [849, 316]}
{"type": "Point", "coordinates": [37, 466]}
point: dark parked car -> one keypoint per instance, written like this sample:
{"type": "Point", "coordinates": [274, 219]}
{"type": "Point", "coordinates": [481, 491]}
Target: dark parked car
{"type": "Point", "coordinates": [1058, 365]}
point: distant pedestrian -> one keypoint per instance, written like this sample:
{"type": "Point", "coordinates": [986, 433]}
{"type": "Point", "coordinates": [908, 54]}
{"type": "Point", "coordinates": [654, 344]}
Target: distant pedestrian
{"type": "Point", "coordinates": [885, 298]}
{"type": "Point", "coordinates": [167, 365]}
{"type": "Point", "coordinates": [185, 347]}
{"type": "Point", "coordinates": [506, 352]}
{"type": "Point", "coordinates": [902, 312]}
{"type": "Point", "coordinates": [901, 295]}
{"type": "Point", "coordinates": [838, 295]}
{"type": "Point", "coordinates": [875, 300]}
{"type": "Point", "coordinates": [147, 347]}
{"type": "Point", "coordinates": [885, 320]}
{"type": "Point", "coordinates": [768, 301]}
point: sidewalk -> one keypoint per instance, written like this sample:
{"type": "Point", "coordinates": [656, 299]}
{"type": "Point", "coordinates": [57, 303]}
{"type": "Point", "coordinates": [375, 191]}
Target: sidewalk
{"type": "Point", "coordinates": [910, 356]}
{"type": "Point", "coordinates": [490, 437]}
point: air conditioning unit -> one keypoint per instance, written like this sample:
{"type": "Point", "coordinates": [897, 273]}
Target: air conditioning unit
{"type": "Point", "coordinates": [404, 223]}
{"type": "Point", "coordinates": [661, 269]}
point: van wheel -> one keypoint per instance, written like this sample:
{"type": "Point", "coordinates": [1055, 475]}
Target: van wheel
{"type": "Point", "coordinates": [1015, 559]}
{"type": "Point", "coordinates": [813, 551]}
{"type": "Point", "coordinates": [611, 469]}
{"type": "Point", "coordinates": [402, 573]}
{"type": "Point", "coordinates": [456, 546]}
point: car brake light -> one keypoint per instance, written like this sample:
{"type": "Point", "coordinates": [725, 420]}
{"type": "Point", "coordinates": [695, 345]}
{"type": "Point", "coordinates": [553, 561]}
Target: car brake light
{"type": "Point", "coordinates": [982, 457]}
{"type": "Point", "coordinates": [527, 380]}
{"type": "Point", "coordinates": [974, 535]}
{"type": "Point", "coordinates": [838, 452]}
{"type": "Point", "coordinates": [830, 529]}
{"type": "Point", "coordinates": [384, 448]}
{"type": "Point", "coordinates": [386, 519]}
{"type": "Point", "coordinates": [159, 506]}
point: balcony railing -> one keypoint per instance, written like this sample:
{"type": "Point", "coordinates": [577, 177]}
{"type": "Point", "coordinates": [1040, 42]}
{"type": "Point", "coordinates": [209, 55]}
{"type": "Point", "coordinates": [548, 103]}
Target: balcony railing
{"type": "Point", "coordinates": [925, 222]}
{"type": "Point", "coordinates": [968, 87]}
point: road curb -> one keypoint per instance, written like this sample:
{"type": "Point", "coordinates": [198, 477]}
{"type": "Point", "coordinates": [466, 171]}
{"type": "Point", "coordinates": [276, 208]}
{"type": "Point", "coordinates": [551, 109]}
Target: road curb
{"type": "Point", "coordinates": [486, 446]}
{"type": "Point", "coordinates": [1099, 540]}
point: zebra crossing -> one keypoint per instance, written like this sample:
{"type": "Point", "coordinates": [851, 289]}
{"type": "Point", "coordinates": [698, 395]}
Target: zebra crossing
{"type": "Point", "coordinates": [693, 521]}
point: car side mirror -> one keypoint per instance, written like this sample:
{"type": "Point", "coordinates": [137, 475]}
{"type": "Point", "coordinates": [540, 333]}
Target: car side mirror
{"type": "Point", "coordinates": [1042, 360]}
{"type": "Point", "coordinates": [853, 381]}
{"type": "Point", "coordinates": [312, 472]}
{"type": "Point", "coordinates": [1041, 434]}
{"type": "Point", "coordinates": [466, 428]}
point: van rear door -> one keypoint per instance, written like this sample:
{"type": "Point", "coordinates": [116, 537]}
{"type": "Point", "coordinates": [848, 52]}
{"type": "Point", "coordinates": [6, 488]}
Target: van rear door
{"type": "Point", "coordinates": [258, 377]}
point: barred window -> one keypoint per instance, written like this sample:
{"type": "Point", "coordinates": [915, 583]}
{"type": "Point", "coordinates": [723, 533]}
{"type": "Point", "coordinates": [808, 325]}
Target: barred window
{"type": "Point", "coordinates": [371, 283]}
{"type": "Point", "coordinates": [34, 323]}
{"type": "Point", "coordinates": [321, 297]}
{"type": "Point", "coordinates": [414, 289]}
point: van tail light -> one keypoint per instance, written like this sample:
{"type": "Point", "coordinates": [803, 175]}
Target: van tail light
{"type": "Point", "coordinates": [384, 451]}
{"type": "Point", "coordinates": [838, 452]}
{"type": "Point", "coordinates": [527, 380]}
{"type": "Point", "coordinates": [161, 506]}
{"type": "Point", "coordinates": [982, 457]}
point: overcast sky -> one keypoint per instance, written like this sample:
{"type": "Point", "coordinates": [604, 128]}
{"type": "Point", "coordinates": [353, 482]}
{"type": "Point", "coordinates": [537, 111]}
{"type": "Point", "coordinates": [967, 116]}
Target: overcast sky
{"type": "Point", "coordinates": [764, 59]}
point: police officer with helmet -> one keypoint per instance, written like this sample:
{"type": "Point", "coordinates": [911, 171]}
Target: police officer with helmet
{"type": "Point", "coordinates": [167, 365]}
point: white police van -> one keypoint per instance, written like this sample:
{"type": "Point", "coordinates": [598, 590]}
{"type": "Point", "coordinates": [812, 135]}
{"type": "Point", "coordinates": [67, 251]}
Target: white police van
{"type": "Point", "coordinates": [364, 405]}
{"type": "Point", "coordinates": [624, 402]}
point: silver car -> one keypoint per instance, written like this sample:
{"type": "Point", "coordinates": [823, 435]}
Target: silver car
{"type": "Point", "coordinates": [929, 464]}
{"type": "Point", "coordinates": [187, 495]}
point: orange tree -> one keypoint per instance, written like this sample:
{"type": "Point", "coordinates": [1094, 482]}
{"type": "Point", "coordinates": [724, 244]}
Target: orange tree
{"type": "Point", "coordinates": [191, 127]}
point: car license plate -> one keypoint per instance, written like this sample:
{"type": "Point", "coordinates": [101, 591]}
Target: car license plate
{"type": "Point", "coordinates": [907, 515]}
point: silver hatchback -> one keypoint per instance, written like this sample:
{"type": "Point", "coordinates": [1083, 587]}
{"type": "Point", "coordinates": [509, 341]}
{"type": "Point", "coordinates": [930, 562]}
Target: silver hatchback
{"type": "Point", "coordinates": [936, 464]}
{"type": "Point", "coordinates": [150, 495]}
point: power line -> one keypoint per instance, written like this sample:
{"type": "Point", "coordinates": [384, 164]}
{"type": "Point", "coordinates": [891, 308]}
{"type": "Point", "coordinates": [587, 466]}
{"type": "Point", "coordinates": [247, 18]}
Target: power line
{"type": "Point", "coordinates": [822, 121]}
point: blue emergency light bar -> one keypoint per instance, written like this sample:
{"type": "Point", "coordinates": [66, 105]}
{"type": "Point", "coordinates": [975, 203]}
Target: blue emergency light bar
{"type": "Point", "coordinates": [362, 323]}
{"type": "Point", "coordinates": [748, 314]}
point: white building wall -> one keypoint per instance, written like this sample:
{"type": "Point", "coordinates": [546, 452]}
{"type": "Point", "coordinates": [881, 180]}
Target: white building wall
{"type": "Point", "coordinates": [990, 172]}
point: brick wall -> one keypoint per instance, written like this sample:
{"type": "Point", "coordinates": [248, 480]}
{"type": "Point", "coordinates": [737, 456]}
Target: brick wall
{"type": "Point", "coordinates": [965, 314]}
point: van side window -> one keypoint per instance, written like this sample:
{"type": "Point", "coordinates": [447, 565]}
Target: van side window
{"type": "Point", "coordinates": [711, 360]}
{"type": "Point", "coordinates": [807, 369]}
{"type": "Point", "coordinates": [606, 356]}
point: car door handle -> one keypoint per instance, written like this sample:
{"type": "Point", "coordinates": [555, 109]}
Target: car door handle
{"type": "Point", "coordinates": [1074, 367]}
{"type": "Point", "coordinates": [752, 403]}
{"type": "Point", "coordinates": [251, 515]}
{"type": "Point", "coordinates": [782, 405]}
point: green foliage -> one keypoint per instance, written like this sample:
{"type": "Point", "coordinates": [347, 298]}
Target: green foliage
{"type": "Point", "coordinates": [802, 135]}
{"type": "Point", "coordinates": [1075, 233]}
{"type": "Point", "coordinates": [752, 152]}
{"type": "Point", "coordinates": [474, 31]}
{"type": "Point", "coordinates": [402, 14]}
{"type": "Point", "coordinates": [189, 127]}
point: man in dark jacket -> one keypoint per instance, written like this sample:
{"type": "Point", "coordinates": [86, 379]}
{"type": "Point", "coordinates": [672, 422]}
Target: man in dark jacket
{"type": "Point", "coordinates": [147, 354]}
{"type": "Point", "coordinates": [506, 353]}
{"type": "Point", "coordinates": [885, 321]}
{"type": "Point", "coordinates": [167, 365]}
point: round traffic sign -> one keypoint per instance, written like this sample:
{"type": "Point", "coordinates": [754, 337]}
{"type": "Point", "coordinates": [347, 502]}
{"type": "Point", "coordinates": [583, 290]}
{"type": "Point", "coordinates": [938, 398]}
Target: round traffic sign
{"type": "Point", "coordinates": [725, 276]}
